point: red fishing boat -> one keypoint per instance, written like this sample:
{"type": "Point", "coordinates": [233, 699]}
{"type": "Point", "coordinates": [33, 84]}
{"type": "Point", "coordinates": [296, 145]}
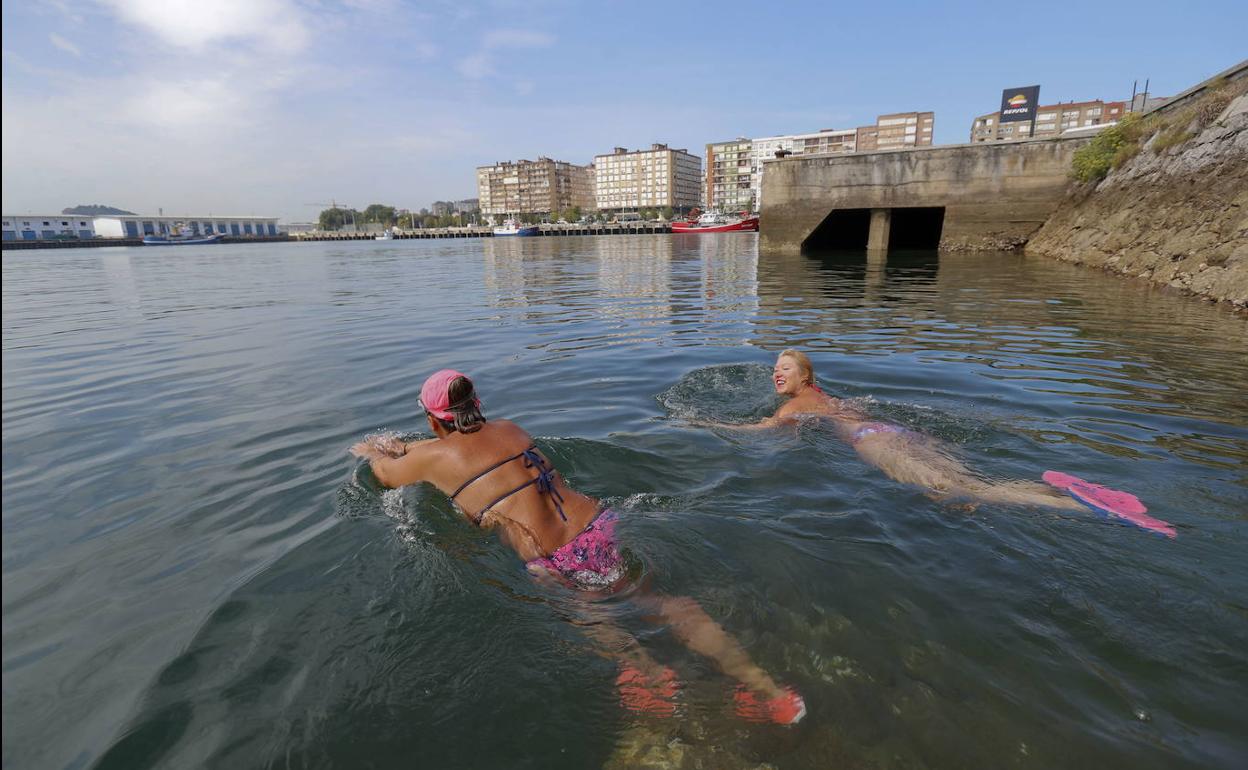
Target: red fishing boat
{"type": "Point", "coordinates": [714, 222]}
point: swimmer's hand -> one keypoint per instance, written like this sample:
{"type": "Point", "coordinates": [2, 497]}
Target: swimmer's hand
{"type": "Point", "coordinates": [379, 446]}
{"type": "Point", "coordinates": [367, 451]}
{"type": "Point", "coordinates": [390, 445]}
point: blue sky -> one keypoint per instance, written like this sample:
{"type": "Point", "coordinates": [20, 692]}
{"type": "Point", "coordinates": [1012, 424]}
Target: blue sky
{"type": "Point", "coordinates": [265, 106]}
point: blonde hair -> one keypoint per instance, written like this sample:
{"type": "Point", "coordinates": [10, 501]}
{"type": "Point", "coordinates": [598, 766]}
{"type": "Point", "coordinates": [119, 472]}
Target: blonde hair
{"type": "Point", "coordinates": [803, 363]}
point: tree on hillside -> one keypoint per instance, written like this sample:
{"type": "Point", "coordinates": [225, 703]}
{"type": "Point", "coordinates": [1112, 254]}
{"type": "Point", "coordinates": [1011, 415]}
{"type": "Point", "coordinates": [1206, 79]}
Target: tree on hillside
{"type": "Point", "coordinates": [96, 209]}
{"type": "Point", "coordinates": [379, 214]}
{"type": "Point", "coordinates": [334, 219]}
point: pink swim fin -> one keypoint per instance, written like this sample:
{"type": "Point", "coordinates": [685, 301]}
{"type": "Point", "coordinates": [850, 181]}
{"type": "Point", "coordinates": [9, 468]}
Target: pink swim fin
{"type": "Point", "coordinates": [1122, 505]}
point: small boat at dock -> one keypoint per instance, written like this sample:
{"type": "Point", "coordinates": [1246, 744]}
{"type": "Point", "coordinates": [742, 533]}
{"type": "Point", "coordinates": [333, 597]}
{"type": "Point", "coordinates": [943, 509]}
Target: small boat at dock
{"type": "Point", "coordinates": [388, 235]}
{"type": "Point", "coordinates": [180, 240]}
{"type": "Point", "coordinates": [182, 235]}
{"type": "Point", "coordinates": [512, 227]}
{"type": "Point", "coordinates": [714, 222]}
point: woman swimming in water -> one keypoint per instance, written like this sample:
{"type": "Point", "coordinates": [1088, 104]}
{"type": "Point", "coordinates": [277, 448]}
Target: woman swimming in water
{"type": "Point", "coordinates": [912, 458]}
{"type": "Point", "coordinates": [498, 478]}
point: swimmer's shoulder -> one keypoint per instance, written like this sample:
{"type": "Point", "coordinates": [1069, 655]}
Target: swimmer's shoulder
{"type": "Point", "coordinates": [804, 404]}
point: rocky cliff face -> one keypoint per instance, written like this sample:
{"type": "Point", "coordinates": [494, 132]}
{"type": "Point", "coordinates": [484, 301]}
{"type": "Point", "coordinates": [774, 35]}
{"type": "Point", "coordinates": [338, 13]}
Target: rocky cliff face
{"type": "Point", "coordinates": [1177, 217]}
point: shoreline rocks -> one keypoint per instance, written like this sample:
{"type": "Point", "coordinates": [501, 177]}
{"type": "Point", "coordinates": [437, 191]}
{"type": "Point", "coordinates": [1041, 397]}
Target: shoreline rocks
{"type": "Point", "coordinates": [1177, 218]}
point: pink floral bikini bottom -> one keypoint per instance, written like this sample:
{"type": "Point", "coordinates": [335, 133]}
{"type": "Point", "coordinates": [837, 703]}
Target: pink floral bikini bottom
{"type": "Point", "coordinates": [591, 560]}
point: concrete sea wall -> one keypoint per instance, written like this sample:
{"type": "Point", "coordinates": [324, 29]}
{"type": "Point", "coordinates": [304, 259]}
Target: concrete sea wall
{"type": "Point", "coordinates": [995, 196]}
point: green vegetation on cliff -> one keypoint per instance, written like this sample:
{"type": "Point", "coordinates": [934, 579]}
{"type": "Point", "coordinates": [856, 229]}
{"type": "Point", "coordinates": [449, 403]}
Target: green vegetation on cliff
{"type": "Point", "coordinates": [1094, 160]}
{"type": "Point", "coordinates": [1122, 141]}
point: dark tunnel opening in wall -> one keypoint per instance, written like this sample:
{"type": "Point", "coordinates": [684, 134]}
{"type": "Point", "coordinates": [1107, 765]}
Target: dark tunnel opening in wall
{"type": "Point", "coordinates": [841, 229]}
{"type": "Point", "coordinates": [916, 228]}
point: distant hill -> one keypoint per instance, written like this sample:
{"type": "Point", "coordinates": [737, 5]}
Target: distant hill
{"type": "Point", "coordinates": [96, 210]}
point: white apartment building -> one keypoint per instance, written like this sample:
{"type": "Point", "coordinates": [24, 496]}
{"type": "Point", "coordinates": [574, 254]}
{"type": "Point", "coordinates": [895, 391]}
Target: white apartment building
{"type": "Point", "coordinates": [39, 227]}
{"type": "Point", "coordinates": [659, 177]}
{"type": "Point", "coordinates": [828, 140]}
{"type": "Point", "coordinates": [728, 176]}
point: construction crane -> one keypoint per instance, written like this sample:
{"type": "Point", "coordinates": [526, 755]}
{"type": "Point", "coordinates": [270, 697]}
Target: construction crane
{"type": "Point", "coordinates": [334, 205]}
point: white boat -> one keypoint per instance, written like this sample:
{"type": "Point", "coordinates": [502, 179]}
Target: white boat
{"type": "Point", "coordinates": [386, 236]}
{"type": "Point", "coordinates": [512, 227]}
{"type": "Point", "coordinates": [181, 235]}
{"type": "Point", "coordinates": [714, 222]}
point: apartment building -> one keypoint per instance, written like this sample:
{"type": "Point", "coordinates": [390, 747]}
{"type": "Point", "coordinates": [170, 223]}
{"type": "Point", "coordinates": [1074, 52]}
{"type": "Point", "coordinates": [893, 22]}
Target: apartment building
{"type": "Point", "coordinates": [897, 131]}
{"type": "Point", "coordinates": [1051, 120]}
{"type": "Point", "coordinates": [720, 189]}
{"type": "Point", "coordinates": [447, 208]}
{"type": "Point", "coordinates": [730, 175]}
{"type": "Point", "coordinates": [659, 177]}
{"type": "Point", "coordinates": [539, 186]}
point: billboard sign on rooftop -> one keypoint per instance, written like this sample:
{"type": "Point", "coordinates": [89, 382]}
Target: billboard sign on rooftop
{"type": "Point", "coordinates": [1019, 103]}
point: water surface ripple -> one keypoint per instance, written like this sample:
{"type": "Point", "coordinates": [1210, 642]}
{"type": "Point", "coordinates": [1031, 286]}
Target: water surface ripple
{"type": "Point", "coordinates": [196, 574]}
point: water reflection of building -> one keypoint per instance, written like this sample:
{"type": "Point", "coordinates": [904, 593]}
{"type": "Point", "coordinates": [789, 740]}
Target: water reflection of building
{"type": "Point", "coordinates": [123, 290]}
{"type": "Point", "coordinates": [504, 272]}
{"type": "Point", "coordinates": [836, 299]}
{"type": "Point", "coordinates": [729, 271]}
{"type": "Point", "coordinates": [635, 276]}
{"type": "Point", "coordinates": [651, 279]}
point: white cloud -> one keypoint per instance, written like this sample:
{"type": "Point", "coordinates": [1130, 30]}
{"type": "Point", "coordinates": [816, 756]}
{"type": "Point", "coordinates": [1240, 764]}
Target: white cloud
{"type": "Point", "coordinates": [194, 104]}
{"type": "Point", "coordinates": [432, 139]}
{"type": "Point", "coordinates": [477, 66]}
{"type": "Point", "coordinates": [204, 90]}
{"type": "Point", "coordinates": [517, 38]}
{"type": "Point", "coordinates": [424, 50]}
{"type": "Point", "coordinates": [65, 10]}
{"type": "Point", "coordinates": [64, 44]}
{"type": "Point", "coordinates": [481, 64]}
{"type": "Point", "coordinates": [194, 24]}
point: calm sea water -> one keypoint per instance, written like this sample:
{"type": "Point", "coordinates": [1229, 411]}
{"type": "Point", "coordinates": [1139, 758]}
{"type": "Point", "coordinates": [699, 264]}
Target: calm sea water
{"type": "Point", "coordinates": [195, 573]}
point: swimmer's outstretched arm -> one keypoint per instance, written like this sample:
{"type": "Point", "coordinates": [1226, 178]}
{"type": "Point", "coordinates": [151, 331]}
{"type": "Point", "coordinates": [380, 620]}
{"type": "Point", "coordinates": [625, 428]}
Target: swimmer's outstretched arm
{"type": "Point", "coordinates": [770, 422]}
{"type": "Point", "coordinates": [394, 463]}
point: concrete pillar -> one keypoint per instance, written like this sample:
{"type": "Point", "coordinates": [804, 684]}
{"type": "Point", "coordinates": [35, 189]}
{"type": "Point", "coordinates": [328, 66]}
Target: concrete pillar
{"type": "Point", "coordinates": [877, 237]}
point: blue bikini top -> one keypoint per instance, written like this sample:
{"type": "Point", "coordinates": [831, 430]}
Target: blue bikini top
{"type": "Point", "coordinates": [545, 481]}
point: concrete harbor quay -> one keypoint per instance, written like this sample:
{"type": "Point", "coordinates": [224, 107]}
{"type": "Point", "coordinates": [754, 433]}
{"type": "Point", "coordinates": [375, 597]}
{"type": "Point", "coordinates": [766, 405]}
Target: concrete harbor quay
{"type": "Point", "coordinates": [628, 228]}
{"type": "Point", "coordinates": [631, 228]}
{"type": "Point", "coordinates": [99, 243]}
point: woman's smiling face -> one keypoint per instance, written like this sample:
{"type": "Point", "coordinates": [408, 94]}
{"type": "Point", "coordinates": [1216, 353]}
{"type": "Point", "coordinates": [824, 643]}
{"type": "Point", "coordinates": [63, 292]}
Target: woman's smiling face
{"type": "Point", "coordinates": [788, 376]}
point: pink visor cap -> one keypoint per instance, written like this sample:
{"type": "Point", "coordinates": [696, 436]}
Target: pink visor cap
{"type": "Point", "coordinates": [435, 396]}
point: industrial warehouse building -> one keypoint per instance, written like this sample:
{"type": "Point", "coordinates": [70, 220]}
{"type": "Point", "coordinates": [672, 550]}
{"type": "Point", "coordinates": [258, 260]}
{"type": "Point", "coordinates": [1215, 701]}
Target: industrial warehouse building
{"type": "Point", "coordinates": [138, 226]}
{"type": "Point", "coordinates": [35, 227]}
